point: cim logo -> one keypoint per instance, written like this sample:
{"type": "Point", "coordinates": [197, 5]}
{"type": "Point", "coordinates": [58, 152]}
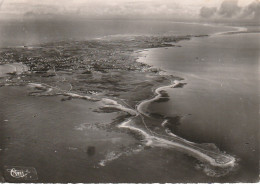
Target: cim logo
{"type": "Point", "coordinates": [18, 173]}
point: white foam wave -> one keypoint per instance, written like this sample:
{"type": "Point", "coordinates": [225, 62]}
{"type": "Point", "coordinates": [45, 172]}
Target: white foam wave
{"type": "Point", "coordinates": [112, 103]}
{"type": "Point", "coordinates": [110, 157]}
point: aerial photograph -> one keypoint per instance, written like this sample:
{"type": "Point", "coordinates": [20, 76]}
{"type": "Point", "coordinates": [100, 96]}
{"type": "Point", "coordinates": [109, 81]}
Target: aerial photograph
{"type": "Point", "coordinates": [129, 91]}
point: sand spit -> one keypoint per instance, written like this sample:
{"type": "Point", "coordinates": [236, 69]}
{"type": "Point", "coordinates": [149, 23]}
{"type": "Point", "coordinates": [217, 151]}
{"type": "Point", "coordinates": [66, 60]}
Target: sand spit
{"type": "Point", "coordinates": [207, 155]}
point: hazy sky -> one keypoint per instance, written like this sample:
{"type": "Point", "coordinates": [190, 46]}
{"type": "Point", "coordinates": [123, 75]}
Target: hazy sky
{"type": "Point", "coordinates": [132, 8]}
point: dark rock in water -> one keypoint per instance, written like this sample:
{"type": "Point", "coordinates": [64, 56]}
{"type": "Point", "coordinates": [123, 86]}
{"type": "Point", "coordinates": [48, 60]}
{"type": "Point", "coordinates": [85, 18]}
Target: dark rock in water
{"type": "Point", "coordinates": [12, 73]}
{"type": "Point", "coordinates": [163, 99]}
{"type": "Point", "coordinates": [164, 93]}
{"type": "Point", "coordinates": [65, 99]}
{"type": "Point", "coordinates": [156, 115]}
{"type": "Point", "coordinates": [173, 124]}
{"type": "Point", "coordinates": [174, 120]}
{"type": "Point", "coordinates": [91, 150]}
{"type": "Point", "coordinates": [180, 85]}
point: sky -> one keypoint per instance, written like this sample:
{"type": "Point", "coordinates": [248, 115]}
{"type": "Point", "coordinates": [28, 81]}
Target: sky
{"type": "Point", "coordinates": [136, 9]}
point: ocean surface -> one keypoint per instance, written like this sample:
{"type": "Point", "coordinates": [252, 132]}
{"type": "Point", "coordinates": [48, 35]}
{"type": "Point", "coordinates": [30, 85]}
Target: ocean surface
{"type": "Point", "coordinates": [218, 103]}
{"type": "Point", "coordinates": [31, 32]}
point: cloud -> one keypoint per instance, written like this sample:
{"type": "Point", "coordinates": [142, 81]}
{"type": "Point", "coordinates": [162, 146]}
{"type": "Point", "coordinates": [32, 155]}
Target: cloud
{"type": "Point", "coordinates": [252, 10]}
{"type": "Point", "coordinates": [132, 9]}
{"type": "Point", "coordinates": [229, 8]}
{"type": "Point", "coordinates": [207, 12]}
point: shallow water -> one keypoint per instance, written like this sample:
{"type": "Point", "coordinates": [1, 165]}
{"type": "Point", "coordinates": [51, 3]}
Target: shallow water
{"type": "Point", "coordinates": [69, 141]}
{"type": "Point", "coordinates": [219, 104]}
{"type": "Point", "coordinates": [59, 139]}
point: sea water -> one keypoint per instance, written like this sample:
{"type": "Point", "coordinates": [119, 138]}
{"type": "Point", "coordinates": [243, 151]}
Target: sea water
{"type": "Point", "coordinates": [220, 101]}
{"type": "Point", "coordinates": [30, 32]}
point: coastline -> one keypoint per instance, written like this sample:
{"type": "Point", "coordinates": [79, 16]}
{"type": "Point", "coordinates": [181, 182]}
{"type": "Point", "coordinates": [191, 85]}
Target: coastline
{"type": "Point", "coordinates": [115, 101]}
{"type": "Point", "coordinates": [243, 153]}
{"type": "Point", "coordinates": [60, 81]}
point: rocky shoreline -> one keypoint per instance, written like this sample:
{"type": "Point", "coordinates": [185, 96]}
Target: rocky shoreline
{"type": "Point", "coordinates": [106, 66]}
